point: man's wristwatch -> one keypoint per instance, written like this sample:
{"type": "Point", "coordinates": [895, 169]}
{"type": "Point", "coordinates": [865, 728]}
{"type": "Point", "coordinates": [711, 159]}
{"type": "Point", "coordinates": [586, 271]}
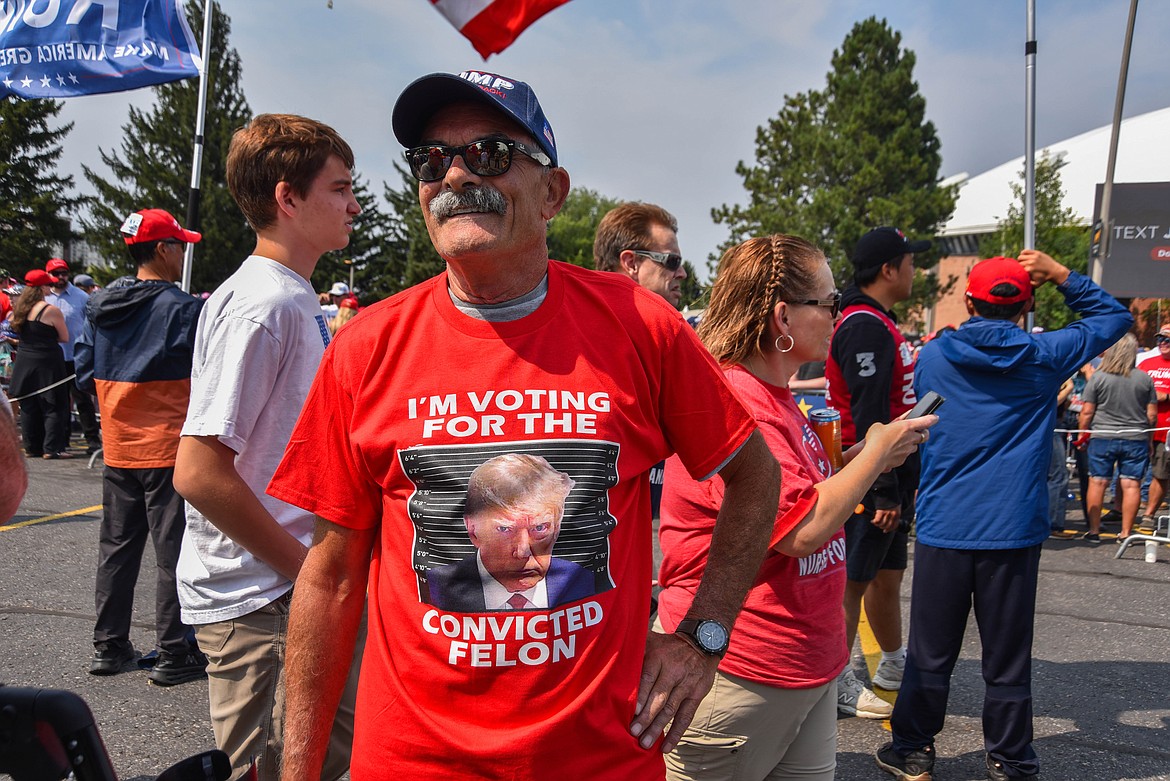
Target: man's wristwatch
{"type": "Point", "coordinates": [710, 636]}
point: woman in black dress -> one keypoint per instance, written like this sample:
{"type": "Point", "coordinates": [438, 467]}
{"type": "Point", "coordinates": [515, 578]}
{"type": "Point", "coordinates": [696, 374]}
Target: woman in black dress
{"type": "Point", "coordinates": [44, 418]}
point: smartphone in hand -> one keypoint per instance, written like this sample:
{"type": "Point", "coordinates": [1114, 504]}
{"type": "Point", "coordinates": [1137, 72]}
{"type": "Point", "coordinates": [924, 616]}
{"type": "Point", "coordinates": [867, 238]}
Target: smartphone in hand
{"type": "Point", "coordinates": [926, 405]}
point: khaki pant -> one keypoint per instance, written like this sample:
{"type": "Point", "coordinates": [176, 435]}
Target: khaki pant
{"type": "Point", "coordinates": [245, 659]}
{"type": "Point", "coordinates": [745, 731]}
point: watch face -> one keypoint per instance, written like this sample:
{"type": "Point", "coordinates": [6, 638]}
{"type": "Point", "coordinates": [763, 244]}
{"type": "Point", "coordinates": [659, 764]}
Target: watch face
{"type": "Point", "coordinates": [711, 636]}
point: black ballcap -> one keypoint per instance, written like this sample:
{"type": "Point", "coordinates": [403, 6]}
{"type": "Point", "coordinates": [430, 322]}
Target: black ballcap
{"type": "Point", "coordinates": [881, 245]}
{"type": "Point", "coordinates": [425, 96]}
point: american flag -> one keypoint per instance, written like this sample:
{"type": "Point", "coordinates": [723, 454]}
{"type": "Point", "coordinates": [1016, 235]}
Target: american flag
{"type": "Point", "coordinates": [492, 25]}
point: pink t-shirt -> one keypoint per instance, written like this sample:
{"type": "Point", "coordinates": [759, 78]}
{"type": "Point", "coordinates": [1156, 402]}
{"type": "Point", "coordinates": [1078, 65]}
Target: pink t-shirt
{"type": "Point", "coordinates": [603, 381]}
{"type": "Point", "coordinates": [791, 632]}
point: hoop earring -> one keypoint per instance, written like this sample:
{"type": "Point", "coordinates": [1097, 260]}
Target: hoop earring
{"type": "Point", "coordinates": [791, 343]}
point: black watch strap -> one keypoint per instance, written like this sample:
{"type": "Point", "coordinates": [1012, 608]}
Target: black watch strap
{"type": "Point", "coordinates": [711, 637]}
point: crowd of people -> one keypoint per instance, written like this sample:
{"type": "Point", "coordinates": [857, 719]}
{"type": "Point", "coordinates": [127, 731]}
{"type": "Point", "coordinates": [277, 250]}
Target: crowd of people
{"type": "Point", "coordinates": [421, 545]}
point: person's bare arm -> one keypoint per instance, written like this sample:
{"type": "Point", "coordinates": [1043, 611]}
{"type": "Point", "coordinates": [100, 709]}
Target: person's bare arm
{"type": "Point", "coordinates": [206, 476]}
{"type": "Point", "coordinates": [1084, 423]}
{"type": "Point", "coordinates": [675, 674]}
{"type": "Point", "coordinates": [13, 474]}
{"type": "Point", "coordinates": [888, 446]}
{"type": "Point", "coordinates": [1152, 415]}
{"type": "Point", "coordinates": [1042, 268]}
{"type": "Point", "coordinates": [323, 626]}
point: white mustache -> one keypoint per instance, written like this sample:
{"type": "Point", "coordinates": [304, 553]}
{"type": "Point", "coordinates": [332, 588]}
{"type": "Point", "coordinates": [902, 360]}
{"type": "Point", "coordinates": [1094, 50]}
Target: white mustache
{"type": "Point", "coordinates": [479, 199]}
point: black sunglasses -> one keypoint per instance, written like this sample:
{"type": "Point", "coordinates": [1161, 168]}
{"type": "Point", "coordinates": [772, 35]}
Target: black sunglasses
{"type": "Point", "coordinates": [832, 304]}
{"type": "Point", "coordinates": [1159, 339]}
{"type": "Point", "coordinates": [668, 260]}
{"type": "Point", "coordinates": [485, 157]}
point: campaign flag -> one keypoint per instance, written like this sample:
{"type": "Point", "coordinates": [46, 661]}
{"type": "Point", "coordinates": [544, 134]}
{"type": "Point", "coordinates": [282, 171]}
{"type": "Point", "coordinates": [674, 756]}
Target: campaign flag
{"type": "Point", "coordinates": [492, 25]}
{"type": "Point", "coordinates": [65, 48]}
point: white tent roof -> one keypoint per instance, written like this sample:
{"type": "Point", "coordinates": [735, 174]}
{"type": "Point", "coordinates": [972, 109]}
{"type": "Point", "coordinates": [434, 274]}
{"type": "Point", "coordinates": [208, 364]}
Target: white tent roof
{"type": "Point", "coordinates": [1143, 155]}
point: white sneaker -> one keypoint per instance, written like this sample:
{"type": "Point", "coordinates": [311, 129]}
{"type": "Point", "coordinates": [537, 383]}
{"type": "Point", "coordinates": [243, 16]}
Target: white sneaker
{"type": "Point", "coordinates": [889, 674]}
{"type": "Point", "coordinates": [854, 699]}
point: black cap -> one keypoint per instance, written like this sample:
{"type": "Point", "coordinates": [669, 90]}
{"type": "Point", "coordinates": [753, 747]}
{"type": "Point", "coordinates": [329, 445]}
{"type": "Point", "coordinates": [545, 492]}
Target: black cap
{"type": "Point", "coordinates": [881, 245]}
{"type": "Point", "coordinates": [425, 96]}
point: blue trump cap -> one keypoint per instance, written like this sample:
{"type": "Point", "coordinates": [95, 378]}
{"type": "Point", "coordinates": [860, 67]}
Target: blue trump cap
{"type": "Point", "coordinates": [425, 96]}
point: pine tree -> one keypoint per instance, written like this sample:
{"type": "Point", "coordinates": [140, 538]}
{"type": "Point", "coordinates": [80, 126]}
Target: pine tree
{"type": "Point", "coordinates": [571, 231]}
{"type": "Point", "coordinates": [35, 202]}
{"type": "Point", "coordinates": [1059, 233]}
{"type": "Point", "coordinates": [837, 162]}
{"type": "Point", "coordinates": [410, 257]}
{"type": "Point", "coordinates": [152, 169]}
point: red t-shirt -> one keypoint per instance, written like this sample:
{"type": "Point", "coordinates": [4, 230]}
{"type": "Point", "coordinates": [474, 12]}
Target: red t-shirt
{"type": "Point", "coordinates": [603, 381]}
{"type": "Point", "coordinates": [1159, 370]}
{"type": "Point", "coordinates": [791, 631]}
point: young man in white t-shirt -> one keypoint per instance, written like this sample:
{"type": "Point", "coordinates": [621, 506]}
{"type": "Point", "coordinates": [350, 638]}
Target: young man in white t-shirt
{"type": "Point", "coordinates": [260, 339]}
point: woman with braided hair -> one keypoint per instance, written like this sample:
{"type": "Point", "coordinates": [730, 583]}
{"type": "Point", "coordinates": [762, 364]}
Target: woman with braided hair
{"type": "Point", "coordinates": [773, 708]}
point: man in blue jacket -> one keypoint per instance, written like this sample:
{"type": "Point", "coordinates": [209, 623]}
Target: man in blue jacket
{"type": "Point", "coordinates": [135, 355]}
{"type": "Point", "coordinates": [982, 507]}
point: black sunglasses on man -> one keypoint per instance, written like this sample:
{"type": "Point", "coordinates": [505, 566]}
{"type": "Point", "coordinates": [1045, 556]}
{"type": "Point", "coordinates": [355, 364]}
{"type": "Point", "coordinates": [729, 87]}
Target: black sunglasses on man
{"type": "Point", "coordinates": [667, 260]}
{"type": "Point", "coordinates": [485, 157]}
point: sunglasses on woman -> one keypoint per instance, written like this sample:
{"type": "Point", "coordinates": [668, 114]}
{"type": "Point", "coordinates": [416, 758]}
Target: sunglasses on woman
{"type": "Point", "coordinates": [485, 157]}
{"type": "Point", "coordinates": [832, 304]}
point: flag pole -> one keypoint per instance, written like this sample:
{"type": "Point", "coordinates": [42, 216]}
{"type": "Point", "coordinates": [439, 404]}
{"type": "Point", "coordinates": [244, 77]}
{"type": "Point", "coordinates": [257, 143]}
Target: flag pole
{"type": "Point", "coordinates": [1030, 139]}
{"type": "Point", "coordinates": [1030, 129]}
{"type": "Point", "coordinates": [1107, 189]}
{"type": "Point", "coordinates": [197, 158]}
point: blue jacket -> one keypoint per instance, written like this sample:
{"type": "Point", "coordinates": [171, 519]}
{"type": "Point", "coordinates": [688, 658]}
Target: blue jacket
{"type": "Point", "coordinates": [135, 355]}
{"type": "Point", "coordinates": [984, 467]}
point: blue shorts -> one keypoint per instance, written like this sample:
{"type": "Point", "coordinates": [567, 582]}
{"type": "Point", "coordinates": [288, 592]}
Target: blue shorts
{"type": "Point", "coordinates": [1131, 456]}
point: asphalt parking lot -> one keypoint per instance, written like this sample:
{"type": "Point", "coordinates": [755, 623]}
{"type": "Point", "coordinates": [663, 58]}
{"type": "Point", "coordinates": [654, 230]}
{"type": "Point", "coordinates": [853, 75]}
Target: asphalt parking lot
{"type": "Point", "coordinates": [1101, 672]}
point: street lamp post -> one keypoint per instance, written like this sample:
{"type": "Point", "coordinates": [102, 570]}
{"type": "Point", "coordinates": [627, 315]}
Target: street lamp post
{"type": "Point", "coordinates": [349, 262]}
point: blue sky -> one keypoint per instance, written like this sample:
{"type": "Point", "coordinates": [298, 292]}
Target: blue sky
{"type": "Point", "coordinates": [624, 82]}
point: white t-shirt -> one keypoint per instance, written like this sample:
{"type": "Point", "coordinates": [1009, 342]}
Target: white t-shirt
{"type": "Point", "coordinates": [259, 342]}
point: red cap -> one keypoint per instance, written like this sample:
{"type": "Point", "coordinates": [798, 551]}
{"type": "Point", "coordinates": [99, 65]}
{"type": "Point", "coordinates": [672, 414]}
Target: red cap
{"type": "Point", "coordinates": [38, 278]}
{"type": "Point", "coordinates": [349, 302]}
{"type": "Point", "coordinates": [994, 271]}
{"type": "Point", "coordinates": [54, 264]}
{"type": "Point", "coordinates": [155, 225]}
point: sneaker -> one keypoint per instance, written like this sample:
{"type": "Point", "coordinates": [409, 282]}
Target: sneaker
{"type": "Point", "coordinates": [173, 669]}
{"type": "Point", "coordinates": [112, 657]}
{"type": "Point", "coordinates": [1147, 524]}
{"type": "Point", "coordinates": [915, 766]}
{"type": "Point", "coordinates": [854, 699]}
{"type": "Point", "coordinates": [1091, 537]}
{"type": "Point", "coordinates": [889, 674]}
{"type": "Point", "coordinates": [997, 772]}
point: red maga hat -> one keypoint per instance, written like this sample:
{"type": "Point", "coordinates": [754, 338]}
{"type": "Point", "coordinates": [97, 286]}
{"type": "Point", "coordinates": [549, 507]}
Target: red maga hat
{"type": "Point", "coordinates": [155, 225]}
{"type": "Point", "coordinates": [994, 271]}
{"type": "Point", "coordinates": [38, 278]}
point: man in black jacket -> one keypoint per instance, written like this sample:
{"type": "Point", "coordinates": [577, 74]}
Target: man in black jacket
{"type": "Point", "coordinates": [870, 373]}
